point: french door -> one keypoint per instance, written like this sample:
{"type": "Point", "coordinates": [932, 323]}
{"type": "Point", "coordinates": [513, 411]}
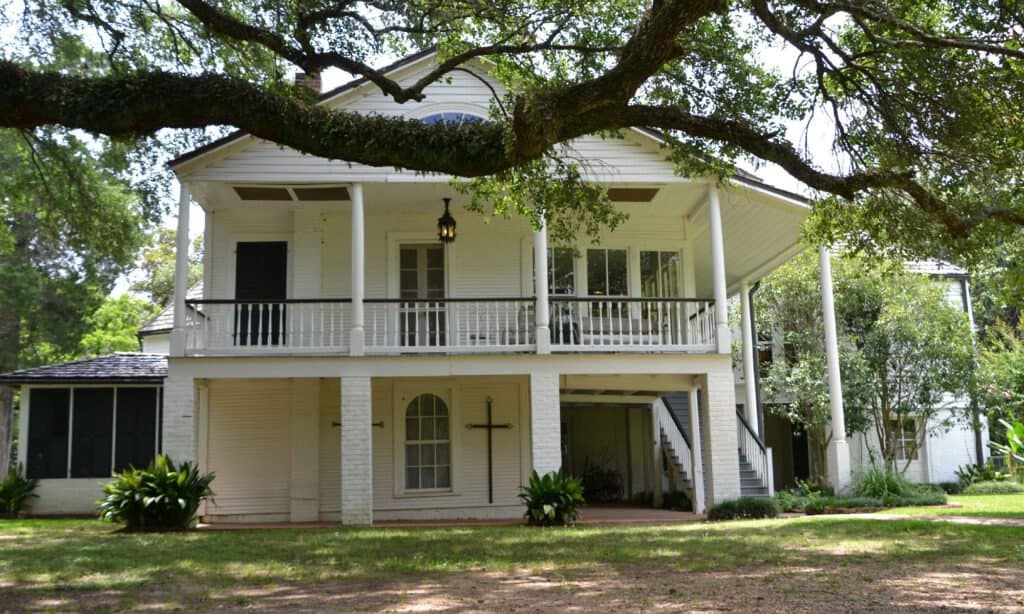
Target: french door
{"type": "Point", "coordinates": [422, 313]}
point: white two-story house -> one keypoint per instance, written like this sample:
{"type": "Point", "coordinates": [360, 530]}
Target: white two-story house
{"type": "Point", "coordinates": [345, 363]}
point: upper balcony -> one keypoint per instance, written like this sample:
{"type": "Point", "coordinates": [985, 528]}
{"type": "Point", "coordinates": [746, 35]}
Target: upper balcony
{"type": "Point", "coordinates": [362, 272]}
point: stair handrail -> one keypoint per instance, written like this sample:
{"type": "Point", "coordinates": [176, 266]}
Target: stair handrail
{"type": "Point", "coordinates": [751, 431]}
{"type": "Point", "coordinates": [675, 419]}
{"type": "Point", "coordinates": [757, 454]}
{"type": "Point", "coordinates": [683, 454]}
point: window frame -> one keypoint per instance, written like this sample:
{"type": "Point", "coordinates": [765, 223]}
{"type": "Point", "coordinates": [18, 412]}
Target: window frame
{"type": "Point", "coordinates": [25, 425]}
{"type": "Point", "coordinates": [905, 430]}
{"type": "Point", "coordinates": [404, 393]}
{"type": "Point", "coordinates": [628, 253]}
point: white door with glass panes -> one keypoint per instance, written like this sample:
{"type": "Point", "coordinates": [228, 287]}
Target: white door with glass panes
{"type": "Point", "coordinates": [422, 313]}
{"type": "Point", "coordinates": [661, 279]}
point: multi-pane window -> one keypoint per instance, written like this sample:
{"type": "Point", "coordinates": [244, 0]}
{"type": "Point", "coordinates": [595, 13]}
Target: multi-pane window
{"type": "Point", "coordinates": [904, 438]}
{"type": "Point", "coordinates": [428, 463]}
{"type": "Point", "coordinates": [561, 276]}
{"type": "Point", "coordinates": [91, 432]}
{"type": "Point", "coordinates": [659, 274]}
{"type": "Point", "coordinates": [607, 272]}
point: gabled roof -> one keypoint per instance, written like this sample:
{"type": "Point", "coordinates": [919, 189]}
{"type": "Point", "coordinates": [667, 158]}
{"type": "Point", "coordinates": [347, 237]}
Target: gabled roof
{"type": "Point", "coordinates": [324, 97]}
{"type": "Point", "coordinates": [163, 322]}
{"type": "Point", "coordinates": [117, 368]}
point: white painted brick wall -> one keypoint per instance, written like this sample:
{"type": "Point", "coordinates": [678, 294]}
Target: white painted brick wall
{"type": "Point", "coordinates": [356, 453]}
{"type": "Point", "coordinates": [179, 428]}
{"type": "Point", "coordinates": [545, 423]}
{"type": "Point", "coordinates": [721, 447]}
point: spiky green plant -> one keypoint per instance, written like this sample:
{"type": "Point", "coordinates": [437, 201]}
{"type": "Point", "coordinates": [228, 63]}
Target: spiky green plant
{"type": "Point", "coordinates": [160, 497]}
{"type": "Point", "coordinates": [552, 499]}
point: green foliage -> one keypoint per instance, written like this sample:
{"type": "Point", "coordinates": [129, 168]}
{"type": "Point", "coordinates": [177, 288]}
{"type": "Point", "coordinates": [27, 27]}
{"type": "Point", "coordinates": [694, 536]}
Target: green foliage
{"type": "Point", "coordinates": [1005, 487]}
{"type": "Point", "coordinates": [951, 488]}
{"type": "Point", "coordinates": [744, 507]}
{"type": "Point", "coordinates": [160, 497]}
{"type": "Point", "coordinates": [1001, 373]}
{"type": "Point", "coordinates": [902, 347]}
{"type": "Point", "coordinates": [676, 500]}
{"type": "Point", "coordinates": [156, 266]}
{"type": "Point", "coordinates": [969, 474]}
{"type": "Point", "coordinates": [115, 325]}
{"type": "Point", "coordinates": [552, 499]}
{"type": "Point", "coordinates": [1013, 449]}
{"type": "Point", "coordinates": [879, 482]}
{"type": "Point", "coordinates": [834, 505]}
{"type": "Point", "coordinates": [601, 484]}
{"type": "Point", "coordinates": [15, 491]}
{"type": "Point", "coordinates": [805, 493]}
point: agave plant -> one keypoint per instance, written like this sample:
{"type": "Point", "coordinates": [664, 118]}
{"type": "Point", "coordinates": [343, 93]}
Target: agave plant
{"type": "Point", "coordinates": [15, 490]}
{"type": "Point", "coordinates": [160, 497]}
{"type": "Point", "coordinates": [552, 499]}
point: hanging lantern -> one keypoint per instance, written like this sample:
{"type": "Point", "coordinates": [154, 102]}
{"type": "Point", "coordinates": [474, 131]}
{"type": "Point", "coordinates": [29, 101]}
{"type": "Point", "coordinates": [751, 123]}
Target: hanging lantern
{"type": "Point", "coordinates": [446, 224]}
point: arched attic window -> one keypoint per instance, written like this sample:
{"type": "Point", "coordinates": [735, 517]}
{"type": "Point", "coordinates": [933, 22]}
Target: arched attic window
{"type": "Point", "coordinates": [451, 117]}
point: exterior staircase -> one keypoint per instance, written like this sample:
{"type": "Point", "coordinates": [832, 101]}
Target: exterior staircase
{"type": "Point", "coordinates": [750, 484]}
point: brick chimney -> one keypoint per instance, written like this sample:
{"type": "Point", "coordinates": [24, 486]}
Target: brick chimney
{"type": "Point", "coordinates": [310, 80]}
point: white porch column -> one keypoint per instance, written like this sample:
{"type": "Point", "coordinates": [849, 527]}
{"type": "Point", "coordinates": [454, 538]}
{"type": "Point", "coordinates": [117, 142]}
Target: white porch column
{"type": "Point", "coordinates": [356, 452]}
{"type": "Point", "coordinates": [696, 449]}
{"type": "Point", "coordinates": [720, 425]}
{"type": "Point", "coordinates": [722, 336]}
{"type": "Point", "coordinates": [838, 449]}
{"type": "Point", "coordinates": [179, 426]}
{"type": "Point", "coordinates": [357, 339]}
{"type": "Point", "coordinates": [749, 361]}
{"type": "Point", "coordinates": [540, 288]}
{"type": "Point", "coordinates": [181, 271]}
{"type": "Point", "coordinates": [545, 423]}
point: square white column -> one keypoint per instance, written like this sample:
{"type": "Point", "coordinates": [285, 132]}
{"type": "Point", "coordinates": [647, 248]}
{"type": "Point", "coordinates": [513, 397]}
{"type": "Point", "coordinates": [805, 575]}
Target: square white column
{"type": "Point", "coordinates": [179, 424]}
{"type": "Point", "coordinates": [545, 423]}
{"type": "Point", "coordinates": [356, 452]}
{"type": "Point", "coordinates": [719, 422]}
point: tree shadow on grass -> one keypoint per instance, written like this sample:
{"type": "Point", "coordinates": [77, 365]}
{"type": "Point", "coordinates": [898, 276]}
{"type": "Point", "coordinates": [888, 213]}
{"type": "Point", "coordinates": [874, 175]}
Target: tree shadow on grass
{"type": "Point", "coordinates": [766, 564]}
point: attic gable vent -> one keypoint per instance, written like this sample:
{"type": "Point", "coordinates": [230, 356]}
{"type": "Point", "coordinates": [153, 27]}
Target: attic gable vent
{"type": "Point", "coordinates": [255, 193]}
{"type": "Point", "coordinates": [632, 195]}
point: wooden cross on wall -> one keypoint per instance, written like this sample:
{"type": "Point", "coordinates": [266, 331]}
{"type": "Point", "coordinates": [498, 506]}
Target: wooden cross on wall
{"type": "Point", "coordinates": [490, 426]}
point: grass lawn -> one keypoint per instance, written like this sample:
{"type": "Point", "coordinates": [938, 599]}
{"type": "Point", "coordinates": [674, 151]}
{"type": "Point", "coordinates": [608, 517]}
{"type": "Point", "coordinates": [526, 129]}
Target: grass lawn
{"type": "Point", "coordinates": [797, 564]}
{"type": "Point", "coordinates": [993, 506]}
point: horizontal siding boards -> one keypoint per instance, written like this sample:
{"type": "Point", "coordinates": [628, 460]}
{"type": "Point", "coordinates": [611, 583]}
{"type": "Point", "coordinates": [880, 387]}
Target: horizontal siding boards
{"type": "Point", "coordinates": [468, 404]}
{"type": "Point", "coordinates": [232, 225]}
{"type": "Point", "coordinates": [250, 446]}
{"type": "Point", "coordinates": [48, 433]}
{"type": "Point", "coordinates": [330, 446]}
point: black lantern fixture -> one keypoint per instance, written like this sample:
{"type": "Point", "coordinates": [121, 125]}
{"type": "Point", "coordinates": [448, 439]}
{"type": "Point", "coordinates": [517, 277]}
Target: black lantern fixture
{"type": "Point", "coordinates": [446, 224]}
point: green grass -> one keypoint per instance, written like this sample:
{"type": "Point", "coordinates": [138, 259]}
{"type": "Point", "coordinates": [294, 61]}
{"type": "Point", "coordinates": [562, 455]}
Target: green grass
{"type": "Point", "coordinates": [45, 561]}
{"type": "Point", "coordinates": [992, 506]}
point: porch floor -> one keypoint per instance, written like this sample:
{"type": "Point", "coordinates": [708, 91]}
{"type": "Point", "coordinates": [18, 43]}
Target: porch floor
{"type": "Point", "coordinates": [591, 515]}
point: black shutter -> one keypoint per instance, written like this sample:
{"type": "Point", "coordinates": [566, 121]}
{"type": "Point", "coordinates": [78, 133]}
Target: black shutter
{"type": "Point", "coordinates": [261, 276]}
{"type": "Point", "coordinates": [48, 433]}
{"type": "Point", "coordinates": [91, 432]}
{"type": "Point", "coordinates": [135, 443]}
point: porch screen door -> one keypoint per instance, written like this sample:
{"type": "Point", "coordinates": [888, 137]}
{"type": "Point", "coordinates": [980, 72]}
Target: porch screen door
{"type": "Point", "coordinates": [423, 319]}
{"type": "Point", "coordinates": [261, 286]}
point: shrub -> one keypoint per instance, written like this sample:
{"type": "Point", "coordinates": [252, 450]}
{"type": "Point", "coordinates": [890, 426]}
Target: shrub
{"type": "Point", "coordinates": [676, 500]}
{"type": "Point", "coordinates": [832, 505]}
{"type": "Point", "coordinates": [969, 474]}
{"type": "Point", "coordinates": [877, 482]}
{"type": "Point", "coordinates": [553, 498]}
{"type": "Point", "coordinates": [994, 488]}
{"type": "Point", "coordinates": [15, 491]}
{"type": "Point", "coordinates": [921, 497]}
{"type": "Point", "coordinates": [951, 488]}
{"type": "Point", "coordinates": [601, 484]}
{"type": "Point", "coordinates": [797, 498]}
{"type": "Point", "coordinates": [160, 497]}
{"type": "Point", "coordinates": [744, 507]}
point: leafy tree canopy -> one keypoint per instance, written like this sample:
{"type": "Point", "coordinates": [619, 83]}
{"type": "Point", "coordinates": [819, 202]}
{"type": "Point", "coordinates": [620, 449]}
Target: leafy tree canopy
{"type": "Point", "coordinates": [156, 266]}
{"type": "Point", "coordinates": [923, 99]}
{"type": "Point", "coordinates": [903, 348]}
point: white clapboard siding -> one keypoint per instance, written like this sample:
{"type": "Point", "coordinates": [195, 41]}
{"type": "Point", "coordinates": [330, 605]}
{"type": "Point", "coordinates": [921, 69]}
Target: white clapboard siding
{"type": "Point", "coordinates": [250, 446]}
{"type": "Point", "coordinates": [330, 446]}
{"type": "Point", "coordinates": [469, 447]}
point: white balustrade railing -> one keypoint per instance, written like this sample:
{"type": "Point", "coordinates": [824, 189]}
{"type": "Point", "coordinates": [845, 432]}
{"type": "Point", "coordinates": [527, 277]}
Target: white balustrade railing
{"type": "Point", "coordinates": [759, 456]}
{"type": "Point", "coordinates": [601, 323]}
{"type": "Point", "coordinates": [675, 436]}
{"type": "Point", "coordinates": [232, 326]}
{"type": "Point", "coordinates": [449, 325]}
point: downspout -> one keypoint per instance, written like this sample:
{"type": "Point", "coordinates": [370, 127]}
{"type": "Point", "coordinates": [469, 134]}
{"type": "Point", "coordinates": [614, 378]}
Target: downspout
{"type": "Point", "coordinates": [757, 362]}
